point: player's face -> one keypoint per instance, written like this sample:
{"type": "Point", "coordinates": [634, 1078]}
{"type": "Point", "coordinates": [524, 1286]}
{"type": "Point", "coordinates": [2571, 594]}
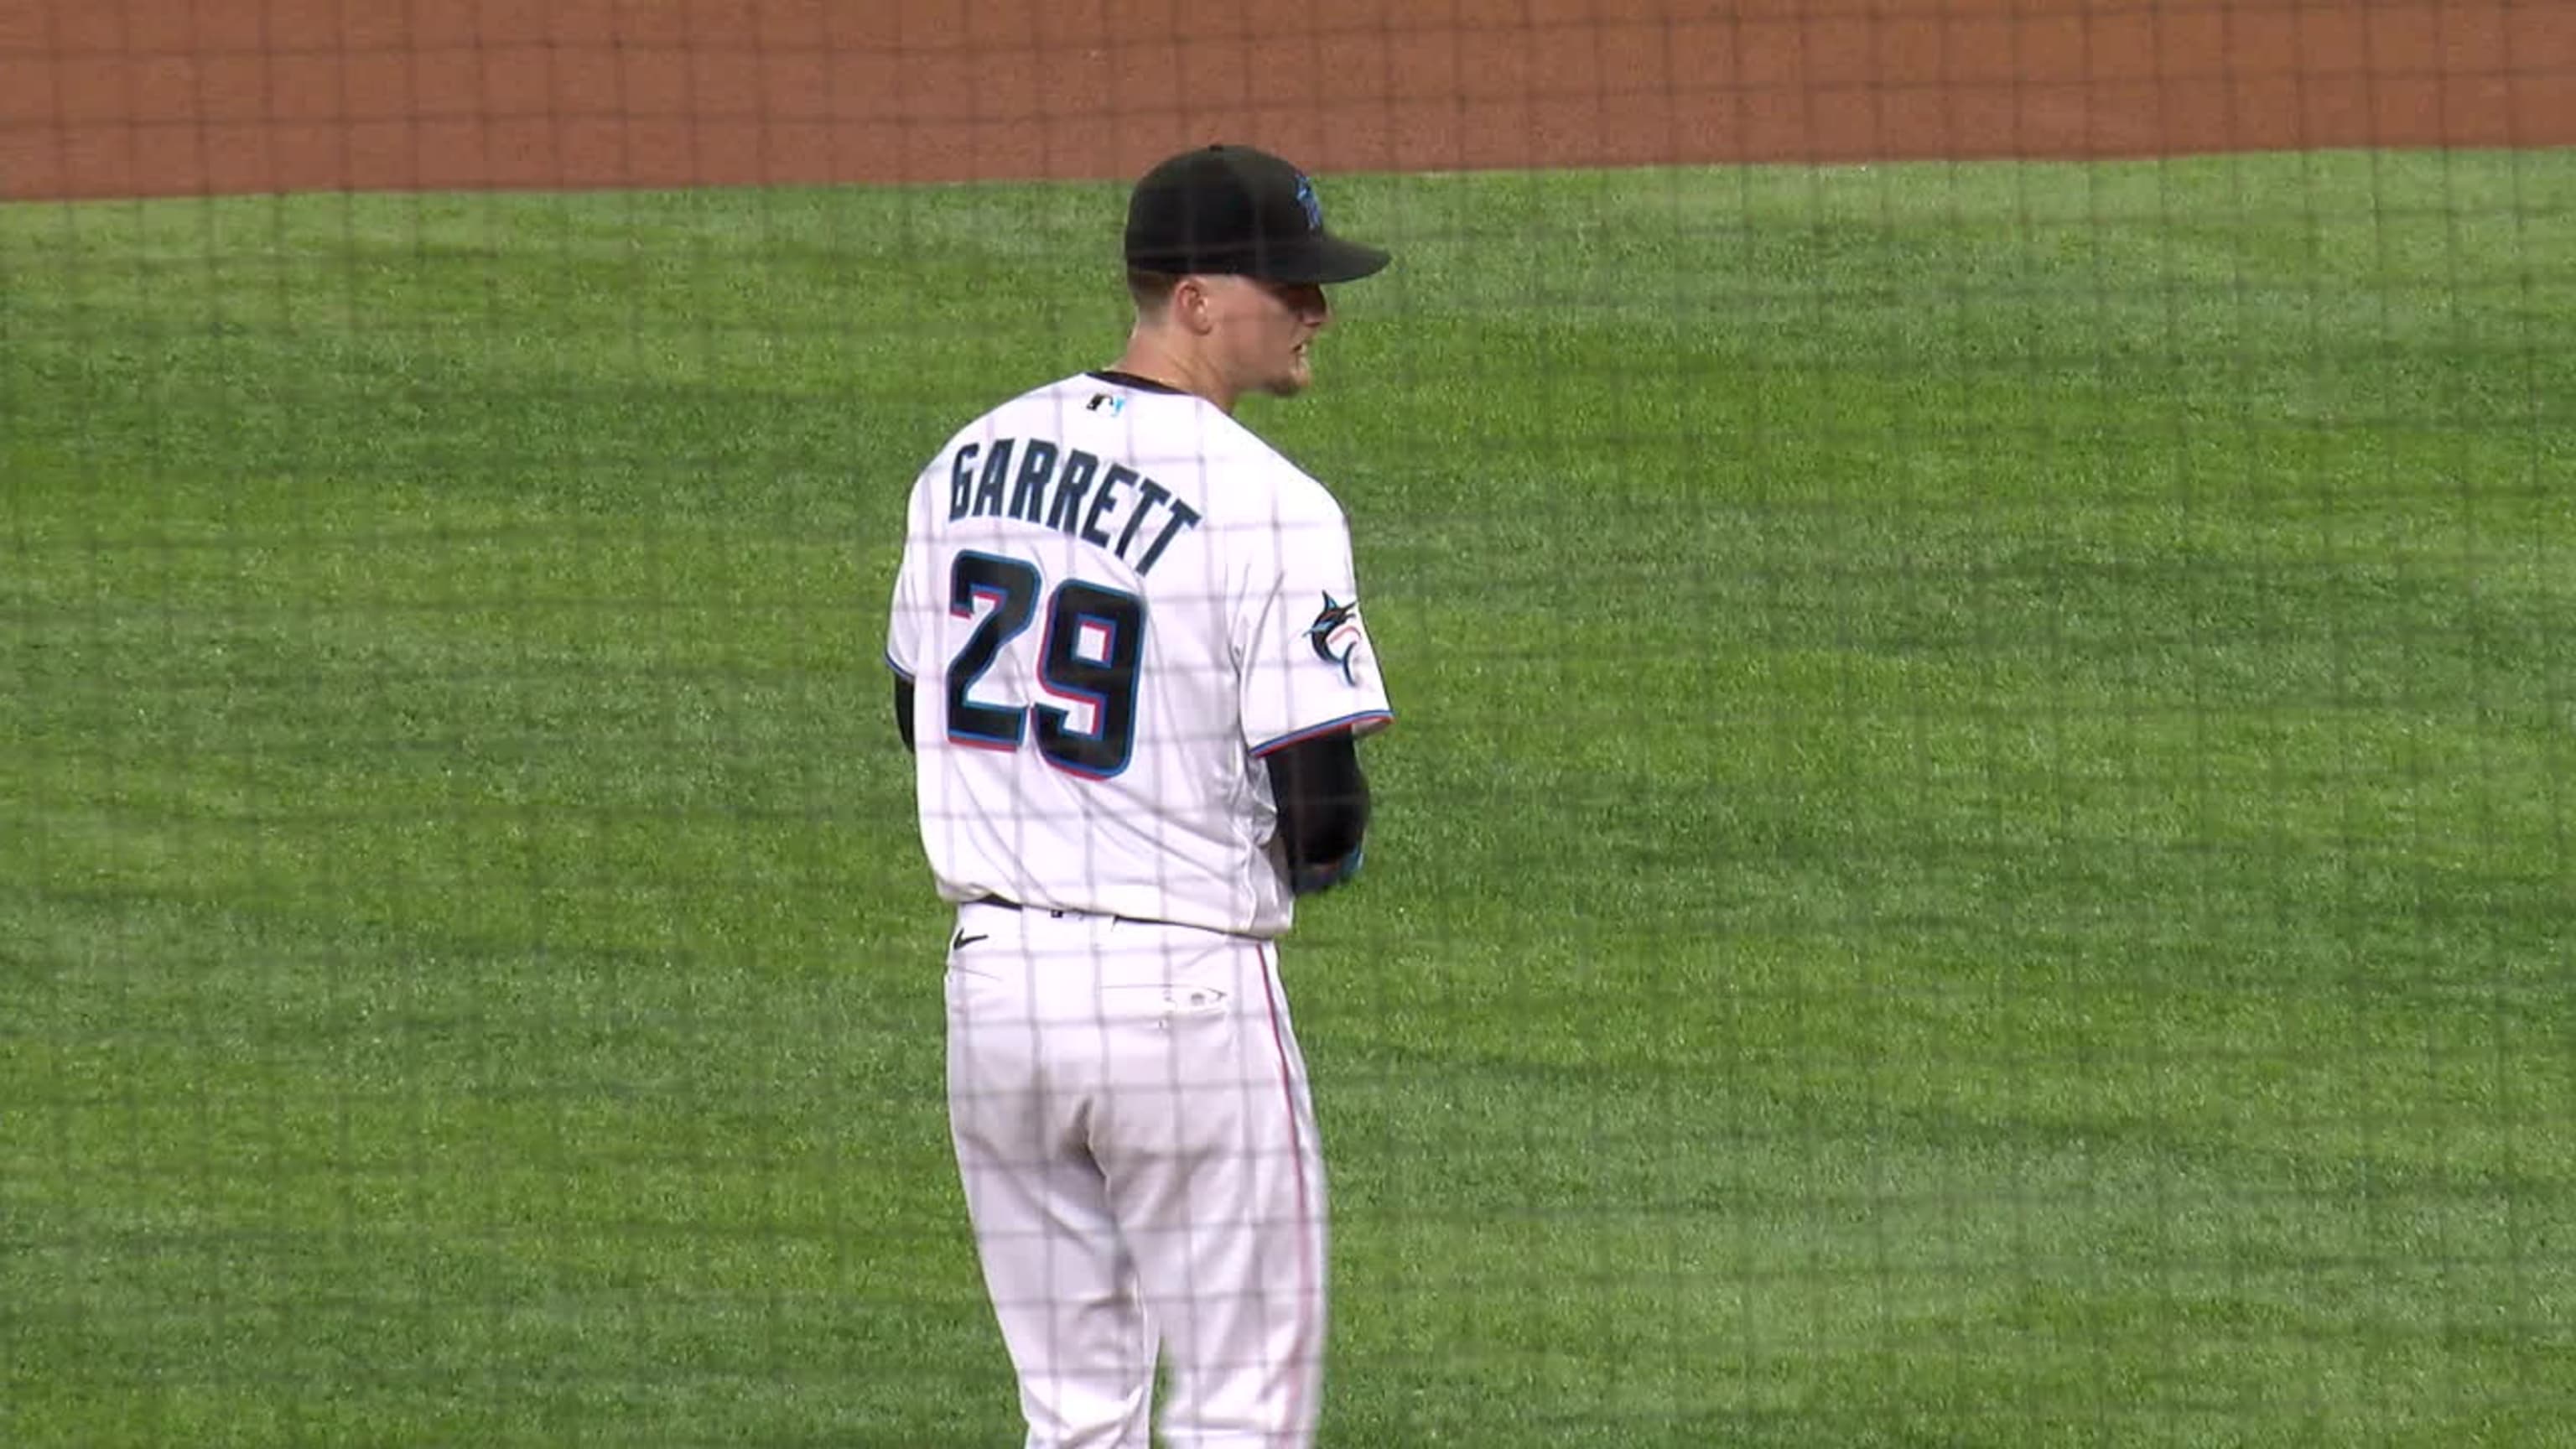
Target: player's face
{"type": "Point", "coordinates": [1267, 327]}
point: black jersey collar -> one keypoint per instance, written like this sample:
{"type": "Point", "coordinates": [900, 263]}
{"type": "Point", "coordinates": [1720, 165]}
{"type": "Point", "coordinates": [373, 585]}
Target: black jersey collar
{"type": "Point", "coordinates": [1129, 379]}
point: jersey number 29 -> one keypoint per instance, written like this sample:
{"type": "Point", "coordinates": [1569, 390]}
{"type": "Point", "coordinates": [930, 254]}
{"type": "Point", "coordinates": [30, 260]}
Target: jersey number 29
{"type": "Point", "coordinates": [1094, 639]}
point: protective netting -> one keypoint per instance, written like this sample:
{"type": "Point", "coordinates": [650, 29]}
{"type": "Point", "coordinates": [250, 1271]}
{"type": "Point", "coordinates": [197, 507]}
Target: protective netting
{"type": "Point", "coordinates": [1976, 849]}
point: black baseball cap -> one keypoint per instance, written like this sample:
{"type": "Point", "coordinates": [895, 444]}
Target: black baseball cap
{"type": "Point", "coordinates": [1234, 210]}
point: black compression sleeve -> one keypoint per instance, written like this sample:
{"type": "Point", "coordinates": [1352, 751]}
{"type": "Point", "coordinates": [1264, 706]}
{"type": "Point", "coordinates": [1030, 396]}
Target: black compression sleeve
{"type": "Point", "coordinates": [1323, 799]}
{"type": "Point", "coordinates": [903, 710]}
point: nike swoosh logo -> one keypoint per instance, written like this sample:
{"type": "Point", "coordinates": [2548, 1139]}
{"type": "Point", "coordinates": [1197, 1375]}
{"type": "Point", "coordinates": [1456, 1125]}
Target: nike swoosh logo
{"type": "Point", "coordinates": [963, 941]}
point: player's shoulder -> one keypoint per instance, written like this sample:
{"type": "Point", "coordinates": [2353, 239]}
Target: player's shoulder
{"type": "Point", "coordinates": [1046, 400]}
{"type": "Point", "coordinates": [1263, 479]}
{"type": "Point", "coordinates": [1008, 418]}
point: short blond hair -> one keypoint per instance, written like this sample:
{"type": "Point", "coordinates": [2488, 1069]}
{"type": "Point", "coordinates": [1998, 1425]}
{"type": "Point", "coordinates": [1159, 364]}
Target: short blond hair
{"type": "Point", "coordinates": [1151, 291]}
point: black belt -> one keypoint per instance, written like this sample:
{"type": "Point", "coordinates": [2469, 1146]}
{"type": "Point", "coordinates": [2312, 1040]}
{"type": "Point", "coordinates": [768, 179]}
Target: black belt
{"type": "Point", "coordinates": [1056, 914]}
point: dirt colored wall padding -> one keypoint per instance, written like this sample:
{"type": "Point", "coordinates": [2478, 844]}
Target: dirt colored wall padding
{"type": "Point", "coordinates": [180, 97]}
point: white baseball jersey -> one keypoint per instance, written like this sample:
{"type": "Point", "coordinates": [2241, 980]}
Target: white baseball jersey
{"type": "Point", "coordinates": [1114, 601]}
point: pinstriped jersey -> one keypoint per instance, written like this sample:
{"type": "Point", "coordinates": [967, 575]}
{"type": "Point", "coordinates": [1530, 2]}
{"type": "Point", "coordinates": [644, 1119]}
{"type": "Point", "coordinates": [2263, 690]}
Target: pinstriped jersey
{"type": "Point", "coordinates": [1114, 601]}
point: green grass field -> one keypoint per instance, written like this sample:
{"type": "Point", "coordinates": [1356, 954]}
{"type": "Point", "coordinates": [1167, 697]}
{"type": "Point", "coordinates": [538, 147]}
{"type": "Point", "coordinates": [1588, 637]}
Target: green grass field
{"type": "Point", "coordinates": [1978, 851]}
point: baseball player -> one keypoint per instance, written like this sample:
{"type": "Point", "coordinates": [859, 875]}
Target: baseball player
{"type": "Point", "coordinates": [1130, 661]}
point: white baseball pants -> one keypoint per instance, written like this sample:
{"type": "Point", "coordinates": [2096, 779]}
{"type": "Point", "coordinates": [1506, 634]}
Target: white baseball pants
{"type": "Point", "coordinates": [1137, 1146]}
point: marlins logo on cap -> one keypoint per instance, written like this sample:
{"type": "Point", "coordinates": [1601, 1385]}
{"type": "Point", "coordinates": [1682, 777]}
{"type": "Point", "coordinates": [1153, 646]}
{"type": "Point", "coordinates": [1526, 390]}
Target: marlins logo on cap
{"type": "Point", "coordinates": [1240, 211]}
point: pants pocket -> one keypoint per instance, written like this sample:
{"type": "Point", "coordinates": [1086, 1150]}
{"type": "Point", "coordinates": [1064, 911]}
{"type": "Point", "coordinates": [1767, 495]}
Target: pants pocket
{"type": "Point", "coordinates": [1167, 1001]}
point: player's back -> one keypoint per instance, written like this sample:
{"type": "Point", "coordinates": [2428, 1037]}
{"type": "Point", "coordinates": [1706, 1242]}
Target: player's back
{"type": "Point", "coordinates": [1082, 568]}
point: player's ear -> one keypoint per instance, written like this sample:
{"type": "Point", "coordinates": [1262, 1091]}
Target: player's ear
{"type": "Point", "coordinates": [1193, 305]}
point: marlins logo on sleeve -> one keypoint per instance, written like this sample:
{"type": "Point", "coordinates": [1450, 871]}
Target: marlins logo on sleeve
{"type": "Point", "coordinates": [1337, 636]}
{"type": "Point", "coordinates": [1308, 669]}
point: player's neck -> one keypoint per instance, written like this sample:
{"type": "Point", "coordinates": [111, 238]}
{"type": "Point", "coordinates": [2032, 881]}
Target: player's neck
{"type": "Point", "coordinates": [1148, 358]}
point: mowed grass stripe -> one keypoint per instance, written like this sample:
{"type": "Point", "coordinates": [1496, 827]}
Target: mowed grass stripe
{"type": "Point", "coordinates": [1977, 851]}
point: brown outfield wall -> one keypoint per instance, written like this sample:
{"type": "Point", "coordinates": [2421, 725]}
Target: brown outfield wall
{"type": "Point", "coordinates": [149, 97]}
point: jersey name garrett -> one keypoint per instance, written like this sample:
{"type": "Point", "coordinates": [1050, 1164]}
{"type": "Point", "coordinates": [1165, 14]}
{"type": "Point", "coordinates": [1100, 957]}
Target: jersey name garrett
{"type": "Point", "coordinates": [1047, 484]}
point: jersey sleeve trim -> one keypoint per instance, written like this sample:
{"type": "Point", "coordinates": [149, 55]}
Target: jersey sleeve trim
{"type": "Point", "coordinates": [899, 671]}
{"type": "Point", "coordinates": [1350, 722]}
